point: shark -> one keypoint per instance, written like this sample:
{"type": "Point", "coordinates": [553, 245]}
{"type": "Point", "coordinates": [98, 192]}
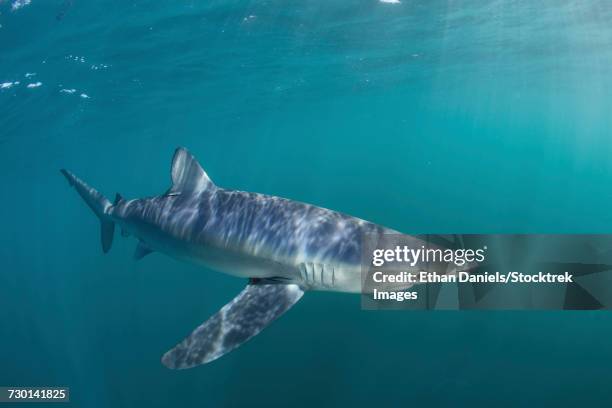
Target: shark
{"type": "Point", "coordinates": [283, 248]}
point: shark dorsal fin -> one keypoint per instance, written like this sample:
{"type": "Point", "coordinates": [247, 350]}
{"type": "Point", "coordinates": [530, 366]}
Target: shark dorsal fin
{"type": "Point", "coordinates": [187, 174]}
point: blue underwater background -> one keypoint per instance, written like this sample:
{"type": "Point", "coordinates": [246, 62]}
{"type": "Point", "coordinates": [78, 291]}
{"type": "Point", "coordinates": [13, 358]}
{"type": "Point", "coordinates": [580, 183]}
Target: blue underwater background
{"type": "Point", "coordinates": [423, 116]}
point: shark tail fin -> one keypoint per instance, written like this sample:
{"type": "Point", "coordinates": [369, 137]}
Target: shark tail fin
{"type": "Point", "coordinates": [99, 204]}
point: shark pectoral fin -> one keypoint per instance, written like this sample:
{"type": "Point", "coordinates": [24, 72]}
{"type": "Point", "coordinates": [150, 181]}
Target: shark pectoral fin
{"type": "Point", "coordinates": [246, 315]}
{"type": "Point", "coordinates": [141, 251]}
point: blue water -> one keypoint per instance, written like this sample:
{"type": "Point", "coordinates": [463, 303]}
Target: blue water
{"type": "Point", "coordinates": [424, 116]}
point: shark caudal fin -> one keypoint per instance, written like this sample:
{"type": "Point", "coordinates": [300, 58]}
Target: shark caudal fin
{"type": "Point", "coordinates": [98, 203]}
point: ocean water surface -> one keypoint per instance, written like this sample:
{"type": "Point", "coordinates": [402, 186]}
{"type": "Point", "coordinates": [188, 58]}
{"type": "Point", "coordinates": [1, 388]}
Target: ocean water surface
{"type": "Point", "coordinates": [424, 116]}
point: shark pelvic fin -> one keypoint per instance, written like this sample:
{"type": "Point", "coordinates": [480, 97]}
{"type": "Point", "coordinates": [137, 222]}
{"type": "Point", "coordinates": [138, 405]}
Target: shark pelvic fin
{"type": "Point", "coordinates": [141, 251]}
{"type": "Point", "coordinates": [246, 315]}
{"type": "Point", "coordinates": [187, 174]}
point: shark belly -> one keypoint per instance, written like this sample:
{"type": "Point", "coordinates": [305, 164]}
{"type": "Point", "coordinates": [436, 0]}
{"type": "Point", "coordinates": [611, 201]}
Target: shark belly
{"type": "Point", "coordinates": [310, 273]}
{"type": "Point", "coordinates": [236, 263]}
{"type": "Point", "coordinates": [227, 260]}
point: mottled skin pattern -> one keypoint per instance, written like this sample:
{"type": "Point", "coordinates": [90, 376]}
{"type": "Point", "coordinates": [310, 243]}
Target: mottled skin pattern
{"type": "Point", "coordinates": [252, 235]}
{"type": "Point", "coordinates": [284, 247]}
{"type": "Point", "coordinates": [245, 316]}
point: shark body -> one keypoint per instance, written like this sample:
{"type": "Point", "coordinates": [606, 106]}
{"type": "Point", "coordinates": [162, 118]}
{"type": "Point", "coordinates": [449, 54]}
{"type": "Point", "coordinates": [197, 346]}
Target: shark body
{"type": "Point", "coordinates": [282, 246]}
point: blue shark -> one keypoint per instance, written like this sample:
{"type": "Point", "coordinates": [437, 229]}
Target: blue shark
{"type": "Point", "coordinates": [283, 247]}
